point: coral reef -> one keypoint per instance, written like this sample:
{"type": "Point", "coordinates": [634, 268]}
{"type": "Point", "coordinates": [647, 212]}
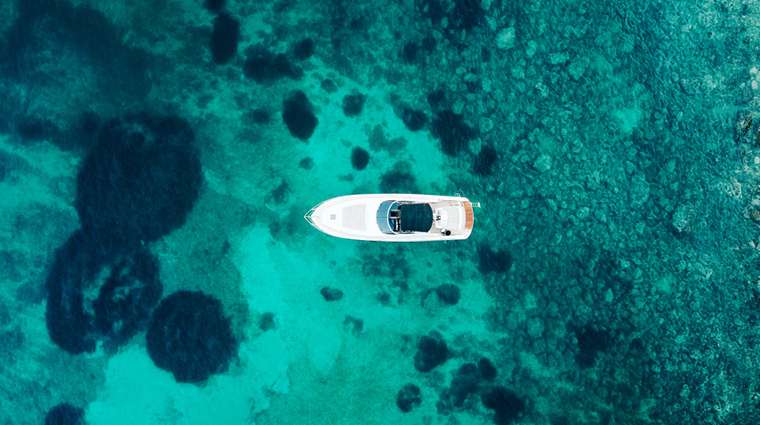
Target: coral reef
{"type": "Point", "coordinates": [298, 115]}
{"type": "Point", "coordinates": [359, 158]}
{"type": "Point", "coordinates": [408, 397]}
{"type": "Point", "coordinates": [65, 414]}
{"type": "Point", "coordinates": [141, 180]}
{"type": "Point", "coordinates": [431, 352]}
{"type": "Point", "coordinates": [224, 38]}
{"type": "Point", "coordinates": [190, 336]}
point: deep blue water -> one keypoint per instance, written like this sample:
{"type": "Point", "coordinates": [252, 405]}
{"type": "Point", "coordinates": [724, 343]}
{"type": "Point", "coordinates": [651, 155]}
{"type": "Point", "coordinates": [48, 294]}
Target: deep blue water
{"type": "Point", "coordinates": [157, 157]}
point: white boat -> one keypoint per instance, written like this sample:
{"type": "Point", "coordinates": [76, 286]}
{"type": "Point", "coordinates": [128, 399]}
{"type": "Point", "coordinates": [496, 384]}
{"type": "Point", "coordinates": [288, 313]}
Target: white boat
{"type": "Point", "coordinates": [393, 217]}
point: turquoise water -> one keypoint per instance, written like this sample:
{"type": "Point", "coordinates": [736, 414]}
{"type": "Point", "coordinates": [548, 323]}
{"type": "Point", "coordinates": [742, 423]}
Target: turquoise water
{"type": "Point", "coordinates": [156, 159]}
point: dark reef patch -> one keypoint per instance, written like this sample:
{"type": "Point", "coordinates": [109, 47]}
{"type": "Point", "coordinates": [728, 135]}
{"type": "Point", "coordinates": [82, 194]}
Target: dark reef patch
{"type": "Point", "coordinates": [591, 341]}
{"type": "Point", "coordinates": [452, 131]}
{"type": "Point", "coordinates": [49, 34]}
{"type": "Point", "coordinates": [214, 5]}
{"type": "Point", "coordinates": [507, 405]}
{"type": "Point", "coordinates": [331, 294]}
{"type": "Point", "coordinates": [353, 104]}
{"type": "Point", "coordinates": [431, 352]}
{"type": "Point", "coordinates": [33, 128]}
{"type": "Point", "coordinates": [465, 382]}
{"type": "Point", "coordinates": [487, 369]}
{"type": "Point", "coordinates": [353, 325]}
{"type": "Point", "coordinates": [129, 294]}
{"type": "Point", "coordinates": [436, 98]}
{"type": "Point", "coordinates": [306, 163]}
{"type": "Point", "coordinates": [74, 268]}
{"type": "Point", "coordinates": [125, 279]}
{"type": "Point", "coordinates": [448, 293]}
{"type": "Point", "coordinates": [298, 115]}
{"type": "Point", "coordinates": [224, 38]}
{"type": "Point", "coordinates": [267, 322]}
{"type": "Point", "coordinates": [304, 49]}
{"type": "Point", "coordinates": [433, 9]}
{"type": "Point", "coordinates": [141, 180]}
{"type": "Point", "coordinates": [359, 158]}
{"type": "Point", "coordinates": [484, 161]}
{"type": "Point", "coordinates": [410, 51]}
{"type": "Point", "coordinates": [413, 119]}
{"type": "Point", "coordinates": [408, 397]}
{"type": "Point", "coordinates": [65, 414]}
{"type": "Point", "coordinates": [260, 116]}
{"type": "Point", "coordinates": [280, 192]}
{"type": "Point", "coordinates": [490, 261]}
{"type": "Point", "coordinates": [429, 44]}
{"type": "Point", "coordinates": [190, 336]}
{"type": "Point", "coordinates": [466, 15]}
{"type": "Point", "coordinates": [398, 180]}
{"type": "Point", "coordinates": [265, 67]}
{"type": "Point", "coordinates": [329, 86]}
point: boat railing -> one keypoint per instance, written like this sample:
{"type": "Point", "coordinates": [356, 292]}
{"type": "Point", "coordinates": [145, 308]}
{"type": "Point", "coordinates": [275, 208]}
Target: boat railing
{"type": "Point", "coordinates": [308, 214]}
{"type": "Point", "coordinates": [309, 219]}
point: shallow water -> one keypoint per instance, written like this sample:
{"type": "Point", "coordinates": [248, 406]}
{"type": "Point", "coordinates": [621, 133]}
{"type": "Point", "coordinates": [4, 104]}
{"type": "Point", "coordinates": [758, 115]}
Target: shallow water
{"type": "Point", "coordinates": [156, 159]}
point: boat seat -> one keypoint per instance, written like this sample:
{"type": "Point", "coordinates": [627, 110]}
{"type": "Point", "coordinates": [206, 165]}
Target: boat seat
{"type": "Point", "coordinates": [395, 220]}
{"type": "Point", "coordinates": [416, 217]}
{"type": "Point", "coordinates": [441, 218]}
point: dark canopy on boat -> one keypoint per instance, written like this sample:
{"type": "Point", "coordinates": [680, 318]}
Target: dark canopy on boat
{"type": "Point", "coordinates": [416, 218]}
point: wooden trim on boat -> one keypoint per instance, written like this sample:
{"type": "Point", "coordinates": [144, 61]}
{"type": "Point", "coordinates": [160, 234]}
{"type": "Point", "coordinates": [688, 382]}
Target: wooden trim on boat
{"type": "Point", "coordinates": [469, 215]}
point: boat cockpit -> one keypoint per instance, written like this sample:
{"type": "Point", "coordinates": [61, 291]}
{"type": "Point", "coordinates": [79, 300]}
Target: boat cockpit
{"type": "Point", "coordinates": [395, 217]}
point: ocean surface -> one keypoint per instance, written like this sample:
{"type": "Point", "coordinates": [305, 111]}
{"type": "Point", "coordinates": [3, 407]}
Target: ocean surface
{"type": "Point", "coordinates": [157, 158]}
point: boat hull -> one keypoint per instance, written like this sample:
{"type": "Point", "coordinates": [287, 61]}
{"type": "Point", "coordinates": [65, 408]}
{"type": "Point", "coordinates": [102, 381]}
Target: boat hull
{"type": "Point", "coordinates": [357, 217]}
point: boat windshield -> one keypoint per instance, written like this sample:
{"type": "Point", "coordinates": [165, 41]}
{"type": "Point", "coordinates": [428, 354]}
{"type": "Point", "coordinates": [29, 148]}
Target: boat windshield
{"type": "Point", "coordinates": [387, 217]}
